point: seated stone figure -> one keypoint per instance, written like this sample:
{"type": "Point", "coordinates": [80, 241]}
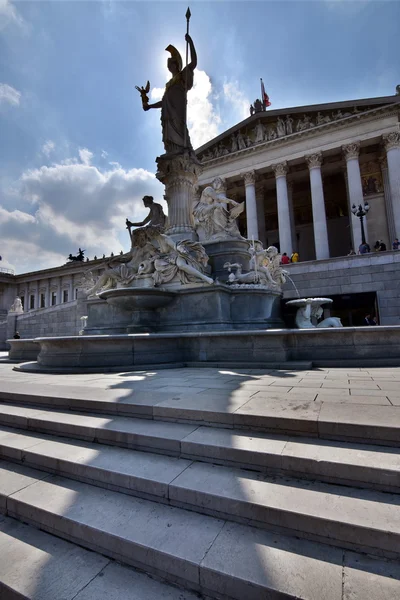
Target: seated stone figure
{"type": "Point", "coordinates": [155, 218]}
{"type": "Point", "coordinates": [214, 220]}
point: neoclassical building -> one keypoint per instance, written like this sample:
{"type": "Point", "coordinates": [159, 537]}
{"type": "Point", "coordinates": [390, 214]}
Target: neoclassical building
{"type": "Point", "coordinates": [301, 170]}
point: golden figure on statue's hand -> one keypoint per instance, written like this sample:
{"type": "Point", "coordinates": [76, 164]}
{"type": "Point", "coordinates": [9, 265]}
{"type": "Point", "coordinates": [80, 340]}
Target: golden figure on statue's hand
{"type": "Point", "coordinates": [143, 91]}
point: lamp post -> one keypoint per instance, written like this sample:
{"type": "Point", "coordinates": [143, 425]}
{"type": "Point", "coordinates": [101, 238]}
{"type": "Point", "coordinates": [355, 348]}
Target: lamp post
{"type": "Point", "coordinates": [360, 212]}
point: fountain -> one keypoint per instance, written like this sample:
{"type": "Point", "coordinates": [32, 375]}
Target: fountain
{"type": "Point", "coordinates": [191, 289]}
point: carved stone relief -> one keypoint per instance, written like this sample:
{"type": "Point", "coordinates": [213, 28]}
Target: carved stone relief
{"type": "Point", "coordinates": [283, 126]}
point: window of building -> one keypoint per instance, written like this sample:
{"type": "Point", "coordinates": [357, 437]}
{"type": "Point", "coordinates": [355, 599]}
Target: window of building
{"type": "Point", "coordinates": [53, 298]}
{"type": "Point", "coordinates": [76, 293]}
{"type": "Point", "coordinates": [32, 301]}
{"type": "Point", "coordinates": [65, 295]}
{"type": "Point", "coordinates": [42, 301]}
{"type": "Point", "coordinates": [22, 301]}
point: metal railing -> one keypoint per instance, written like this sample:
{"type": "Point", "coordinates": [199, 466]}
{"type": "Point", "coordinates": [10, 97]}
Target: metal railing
{"type": "Point", "coordinates": [5, 270]}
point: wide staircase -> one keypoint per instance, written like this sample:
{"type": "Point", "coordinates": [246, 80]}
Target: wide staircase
{"type": "Point", "coordinates": [124, 498]}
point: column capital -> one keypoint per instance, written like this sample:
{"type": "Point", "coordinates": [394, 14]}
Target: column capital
{"type": "Point", "coordinates": [351, 151]}
{"type": "Point", "coordinates": [249, 178]}
{"type": "Point", "coordinates": [280, 169]}
{"type": "Point", "coordinates": [391, 140]}
{"type": "Point", "coordinates": [314, 160]}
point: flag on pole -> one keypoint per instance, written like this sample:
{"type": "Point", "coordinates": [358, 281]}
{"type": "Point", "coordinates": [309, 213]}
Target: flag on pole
{"type": "Point", "coordinates": [264, 96]}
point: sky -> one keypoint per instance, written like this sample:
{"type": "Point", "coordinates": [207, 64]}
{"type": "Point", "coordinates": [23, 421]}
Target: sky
{"type": "Point", "coordinates": [77, 152]}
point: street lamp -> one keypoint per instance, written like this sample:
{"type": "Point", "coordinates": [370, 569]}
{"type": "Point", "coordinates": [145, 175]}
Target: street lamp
{"type": "Point", "coordinates": [360, 212]}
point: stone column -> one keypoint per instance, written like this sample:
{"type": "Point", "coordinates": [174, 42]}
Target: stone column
{"type": "Point", "coordinates": [285, 234]}
{"type": "Point", "coordinates": [392, 146]}
{"type": "Point", "coordinates": [251, 205]}
{"type": "Point", "coordinates": [388, 201]}
{"type": "Point", "coordinates": [314, 162]}
{"type": "Point", "coordinates": [291, 214]}
{"type": "Point", "coordinates": [59, 291]}
{"type": "Point", "coordinates": [37, 300]}
{"type": "Point", "coordinates": [354, 187]}
{"type": "Point", "coordinates": [48, 294]}
{"type": "Point", "coordinates": [179, 175]}
{"type": "Point", "coordinates": [260, 212]}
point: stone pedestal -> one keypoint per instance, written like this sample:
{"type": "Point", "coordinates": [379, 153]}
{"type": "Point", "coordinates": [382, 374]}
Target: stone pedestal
{"type": "Point", "coordinates": [179, 174]}
{"type": "Point", "coordinates": [233, 251]}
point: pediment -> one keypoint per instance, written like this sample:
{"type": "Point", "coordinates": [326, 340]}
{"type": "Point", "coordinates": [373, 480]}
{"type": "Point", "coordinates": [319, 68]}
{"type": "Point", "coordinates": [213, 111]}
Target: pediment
{"type": "Point", "coordinates": [264, 126]}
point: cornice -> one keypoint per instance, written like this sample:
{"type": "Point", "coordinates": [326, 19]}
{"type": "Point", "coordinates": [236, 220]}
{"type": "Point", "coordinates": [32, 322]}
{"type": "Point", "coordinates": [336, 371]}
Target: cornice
{"type": "Point", "coordinates": [258, 148]}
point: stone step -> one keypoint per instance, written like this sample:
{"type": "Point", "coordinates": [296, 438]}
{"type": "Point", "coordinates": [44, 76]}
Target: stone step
{"type": "Point", "coordinates": [142, 434]}
{"type": "Point", "coordinates": [38, 566]}
{"type": "Point", "coordinates": [368, 424]}
{"type": "Point", "coordinates": [343, 463]}
{"type": "Point", "coordinates": [222, 560]}
{"type": "Point", "coordinates": [364, 520]}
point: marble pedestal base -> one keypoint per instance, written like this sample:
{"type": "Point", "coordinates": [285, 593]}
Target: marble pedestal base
{"type": "Point", "coordinates": [233, 251]}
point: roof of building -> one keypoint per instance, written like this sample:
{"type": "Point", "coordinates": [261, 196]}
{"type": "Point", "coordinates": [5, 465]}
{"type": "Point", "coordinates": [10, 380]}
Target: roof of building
{"type": "Point", "coordinates": [268, 114]}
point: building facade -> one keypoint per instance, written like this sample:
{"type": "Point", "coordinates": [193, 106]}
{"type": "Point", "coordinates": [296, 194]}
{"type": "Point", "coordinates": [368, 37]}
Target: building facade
{"type": "Point", "coordinates": [301, 170]}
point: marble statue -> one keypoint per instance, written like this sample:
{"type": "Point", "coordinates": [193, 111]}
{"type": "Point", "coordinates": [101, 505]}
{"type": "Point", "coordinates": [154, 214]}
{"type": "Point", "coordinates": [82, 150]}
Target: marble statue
{"type": "Point", "coordinates": [272, 134]}
{"type": "Point", "coordinates": [122, 270]}
{"type": "Point", "coordinates": [265, 268]}
{"type": "Point", "coordinates": [157, 258]}
{"type": "Point", "coordinates": [289, 125]}
{"type": "Point", "coordinates": [281, 127]}
{"type": "Point", "coordinates": [234, 143]}
{"type": "Point", "coordinates": [259, 133]}
{"type": "Point", "coordinates": [321, 119]}
{"type": "Point", "coordinates": [173, 104]}
{"type": "Point", "coordinates": [310, 309]}
{"type": "Point", "coordinates": [155, 218]}
{"type": "Point", "coordinates": [213, 218]}
{"type": "Point", "coordinates": [17, 307]}
{"type": "Point", "coordinates": [184, 260]}
{"type": "Point", "coordinates": [241, 142]}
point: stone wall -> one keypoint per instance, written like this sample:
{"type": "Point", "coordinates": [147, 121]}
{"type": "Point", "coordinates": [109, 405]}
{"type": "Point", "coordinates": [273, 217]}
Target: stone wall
{"type": "Point", "coordinates": [374, 272]}
{"type": "Point", "coordinates": [3, 335]}
{"type": "Point", "coordinates": [56, 320]}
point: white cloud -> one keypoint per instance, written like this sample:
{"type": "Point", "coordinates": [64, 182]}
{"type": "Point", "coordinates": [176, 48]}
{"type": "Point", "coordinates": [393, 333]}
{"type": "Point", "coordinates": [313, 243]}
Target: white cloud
{"type": "Point", "coordinates": [48, 147]}
{"type": "Point", "coordinates": [104, 154]}
{"type": "Point", "coordinates": [156, 94]}
{"type": "Point", "coordinates": [85, 155]}
{"type": "Point", "coordinates": [8, 94]}
{"type": "Point", "coordinates": [65, 206]}
{"type": "Point", "coordinates": [203, 118]}
{"type": "Point", "coordinates": [237, 98]}
{"type": "Point", "coordinates": [9, 14]}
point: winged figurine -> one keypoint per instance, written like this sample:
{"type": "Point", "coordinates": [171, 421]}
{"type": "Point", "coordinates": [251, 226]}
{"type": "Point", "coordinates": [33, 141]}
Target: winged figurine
{"type": "Point", "coordinates": [143, 91]}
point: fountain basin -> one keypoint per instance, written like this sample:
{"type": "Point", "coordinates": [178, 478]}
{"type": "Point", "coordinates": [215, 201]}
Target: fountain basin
{"type": "Point", "coordinates": [133, 299]}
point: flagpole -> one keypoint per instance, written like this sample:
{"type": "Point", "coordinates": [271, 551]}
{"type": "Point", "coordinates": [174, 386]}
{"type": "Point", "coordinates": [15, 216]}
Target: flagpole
{"type": "Point", "coordinates": [262, 95]}
{"type": "Point", "coordinates": [188, 15]}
